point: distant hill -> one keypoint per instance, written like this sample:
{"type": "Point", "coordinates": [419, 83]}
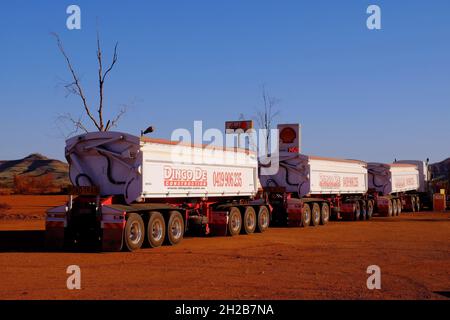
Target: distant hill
{"type": "Point", "coordinates": [441, 169]}
{"type": "Point", "coordinates": [34, 165]}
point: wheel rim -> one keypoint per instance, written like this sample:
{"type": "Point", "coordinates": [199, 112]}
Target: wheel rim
{"type": "Point", "coordinates": [135, 232]}
{"type": "Point", "coordinates": [250, 221]}
{"type": "Point", "coordinates": [176, 228]}
{"type": "Point", "coordinates": [370, 210]}
{"type": "Point", "coordinates": [325, 214]}
{"type": "Point", "coordinates": [316, 215]}
{"type": "Point", "coordinates": [235, 222]}
{"type": "Point", "coordinates": [357, 212]}
{"type": "Point", "coordinates": [263, 219]}
{"type": "Point", "coordinates": [157, 230]}
{"type": "Point", "coordinates": [307, 217]}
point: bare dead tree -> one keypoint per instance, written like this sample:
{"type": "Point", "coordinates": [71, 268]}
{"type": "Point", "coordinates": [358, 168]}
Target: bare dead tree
{"type": "Point", "coordinates": [267, 114]}
{"type": "Point", "coordinates": [74, 87]}
{"type": "Point", "coordinates": [77, 123]}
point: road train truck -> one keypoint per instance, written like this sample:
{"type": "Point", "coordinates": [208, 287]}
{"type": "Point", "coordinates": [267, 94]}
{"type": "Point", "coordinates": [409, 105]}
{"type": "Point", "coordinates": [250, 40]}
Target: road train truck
{"type": "Point", "coordinates": [394, 187]}
{"type": "Point", "coordinates": [309, 190]}
{"type": "Point", "coordinates": [131, 191]}
{"type": "Point", "coordinates": [425, 190]}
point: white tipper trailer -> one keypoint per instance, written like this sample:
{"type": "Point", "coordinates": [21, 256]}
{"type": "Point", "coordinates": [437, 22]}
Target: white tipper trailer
{"type": "Point", "coordinates": [394, 186]}
{"type": "Point", "coordinates": [308, 190]}
{"type": "Point", "coordinates": [131, 191]}
{"type": "Point", "coordinates": [425, 191]}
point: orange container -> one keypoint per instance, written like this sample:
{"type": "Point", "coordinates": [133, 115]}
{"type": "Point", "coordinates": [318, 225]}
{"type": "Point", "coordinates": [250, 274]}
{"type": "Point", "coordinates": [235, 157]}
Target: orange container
{"type": "Point", "coordinates": [439, 202]}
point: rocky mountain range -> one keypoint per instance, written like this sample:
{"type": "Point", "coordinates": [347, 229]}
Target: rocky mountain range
{"type": "Point", "coordinates": [34, 165]}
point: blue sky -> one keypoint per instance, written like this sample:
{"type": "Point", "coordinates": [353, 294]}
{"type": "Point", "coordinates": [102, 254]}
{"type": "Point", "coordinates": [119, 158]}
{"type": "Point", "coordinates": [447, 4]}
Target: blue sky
{"type": "Point", "coordinates": [370, 95]}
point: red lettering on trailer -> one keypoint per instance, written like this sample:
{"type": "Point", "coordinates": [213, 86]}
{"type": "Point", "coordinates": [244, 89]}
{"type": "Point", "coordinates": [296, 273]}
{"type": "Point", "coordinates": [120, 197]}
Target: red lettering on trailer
{"type": "Point", "coordinates": [327, 181]}
{"type": "Point", "coordinates": [410, 181]}
{"type": "Point", "coordinates": [227, 179]}
{"type": "Point", "coordinates": [181, 177]}
{"type": "Point", "coordinates": [351, 181]}
{"type": "Point", "coordinates": [402, 182]}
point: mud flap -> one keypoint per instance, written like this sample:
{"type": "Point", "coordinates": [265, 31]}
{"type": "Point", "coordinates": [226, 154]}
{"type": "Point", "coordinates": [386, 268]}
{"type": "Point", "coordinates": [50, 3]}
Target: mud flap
{"type": "Point", "coordinates": [218, 223]}
{"type": "Point", "coordinates": [112, 236]}
{"type": "Point", "coordinates": [54, 235]}
{"type": "Point", "coordinates": [347, 211]}
{"type": "Point", "coordinates": [294, 218]}
{"type": "Point", "coordinates": [383, 206]}
{"type": "Point", "coordinates": [294, 212]}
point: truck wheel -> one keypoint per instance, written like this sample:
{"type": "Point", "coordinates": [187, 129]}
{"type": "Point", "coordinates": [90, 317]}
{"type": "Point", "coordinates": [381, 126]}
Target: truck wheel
{"type": "Point", "coordinates": [399, 206]}
{"type": "Point", "coordinates": [357, 211]}
{"type": "Point", "coordinates": [413, 204]}
{"type": "Point", "coordinates": [263, 219]}
{"type": "Point", "coordinates": [315, 214]}
{"type": "Point", "coordinates": [156, 229]}
{"type": "Point", "coordinates": [134, 232]}
{"type": "Point", "coordinates": [249, 221]}
{"type": "Point", "coordinates": [325, 214]}
{"type": "Point", "coordinates": [389, 213]}
{"type": "Point", "coordinates": [363, 208]}
{"type": "Point", "coordinates": [306, 215]}
{"type": "Point", "coordinates": [234, 221]}
{"type": "Point", "coordinates": [418, 204]}
{"type": "Point", "coordinates": [394, 207]}
{"type": "Point", "coordinates": [175, 228]}
{"type": "Point", "coordinates": [369, 210]}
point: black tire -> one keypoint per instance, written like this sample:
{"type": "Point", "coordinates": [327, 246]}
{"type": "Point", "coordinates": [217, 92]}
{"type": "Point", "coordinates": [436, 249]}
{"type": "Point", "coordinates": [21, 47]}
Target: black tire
{"type": "Point", "coordinates": [156, 229]}
{"type": "Point", "coordinates": [315, 214]}
{"type": "Point", "coordinates": [357, 211]}
{"type": "Point", "coordinates": [413, 204]}
{"type": "Point", "coordinates": [325, 214]}
{"type": "Point", "coordinates": [234, 221]}
{"type": "Point", "coordinates": [134, 233]}
{"type": "Point", "coordinates": [306, 215]}
{"type": "Point", "coordinates": [369, 210]}
{"type": "Point", "coordinates": [175, 228]}
{"type": "Point", "coordinates": [263, 219]}
{"type": "Point", "coordinates": [363, 208]}
{"type": "Point", "coordinates": [249, 221]}
{"type": "Point", "coordinates": [394, 207]}
{"type": "Point", "coordinates": [399, 206]}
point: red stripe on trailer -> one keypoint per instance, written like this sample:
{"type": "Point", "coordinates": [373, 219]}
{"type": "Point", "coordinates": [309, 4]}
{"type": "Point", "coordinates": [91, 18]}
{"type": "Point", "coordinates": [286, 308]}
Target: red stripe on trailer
{"type": "Point", "coordinates": [113, 225]}
{"type": "Point", "coordinates": [54, 224]}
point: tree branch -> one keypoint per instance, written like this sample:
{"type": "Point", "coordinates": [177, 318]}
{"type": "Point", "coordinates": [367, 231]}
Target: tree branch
{"type": "Point", "coordinates": [77, 123]}
{"type": "Point", "coordinates": [113, 123]}
{"type": "Point", "coordinates": [101, 79]}
{"type": "Point", "coordinates": [100, 82]}
{"type": "Point", "coordinates": [75, 87]}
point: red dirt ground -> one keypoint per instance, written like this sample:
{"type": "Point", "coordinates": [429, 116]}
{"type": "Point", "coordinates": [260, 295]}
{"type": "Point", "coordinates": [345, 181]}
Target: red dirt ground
{"type": "Point", "coordinates": [413, 252]}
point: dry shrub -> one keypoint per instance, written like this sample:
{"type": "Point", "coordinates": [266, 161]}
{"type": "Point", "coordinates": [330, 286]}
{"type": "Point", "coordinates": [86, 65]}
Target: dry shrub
{"type": "Point", "coordinates": [25, 184]}
{"type": "Point", "coordinates": [5, 191]}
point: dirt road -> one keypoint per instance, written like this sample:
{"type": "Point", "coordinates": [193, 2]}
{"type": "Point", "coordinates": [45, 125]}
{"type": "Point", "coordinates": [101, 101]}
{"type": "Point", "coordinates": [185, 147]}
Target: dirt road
{"type": "Point", "coordinates": [413, 252]}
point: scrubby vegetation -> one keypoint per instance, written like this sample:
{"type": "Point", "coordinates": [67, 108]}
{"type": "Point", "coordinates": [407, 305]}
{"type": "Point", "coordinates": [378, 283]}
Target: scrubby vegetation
{"type": "Point", "coordinates": [44, 184]}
